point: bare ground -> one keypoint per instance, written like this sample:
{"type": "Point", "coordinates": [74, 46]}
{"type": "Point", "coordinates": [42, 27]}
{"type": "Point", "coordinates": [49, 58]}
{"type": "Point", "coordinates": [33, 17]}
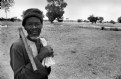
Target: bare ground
{"type": "Point", "coordinates": [80, 53]}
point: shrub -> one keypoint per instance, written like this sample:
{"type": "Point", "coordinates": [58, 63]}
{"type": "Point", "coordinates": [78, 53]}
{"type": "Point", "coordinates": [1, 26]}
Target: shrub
{"type": "Point", "coordinates": [79, 20]}
{"type": "Point", "coordinates": [119, 19]}
{"type": "Point", "coordinates": [113, 22]}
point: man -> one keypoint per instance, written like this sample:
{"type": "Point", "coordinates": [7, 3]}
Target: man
{"type": "Point", "coordinates": [19, 61]}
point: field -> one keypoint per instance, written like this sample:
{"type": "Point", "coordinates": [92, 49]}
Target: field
{"type": "Point", "coordinates": [80, 53]}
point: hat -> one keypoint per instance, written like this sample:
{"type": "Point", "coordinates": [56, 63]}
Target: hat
{"type": "Point", "coordinates": [32, 12]}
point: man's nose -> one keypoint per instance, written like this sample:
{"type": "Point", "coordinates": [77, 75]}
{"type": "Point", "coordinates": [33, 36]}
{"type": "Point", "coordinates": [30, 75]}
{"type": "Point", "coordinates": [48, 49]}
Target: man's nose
{"type": "Point", "coordinates": [34, 26]}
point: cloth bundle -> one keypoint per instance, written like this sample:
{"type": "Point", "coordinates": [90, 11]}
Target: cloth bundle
{"type": "Point", "coordinates": [48, 61]}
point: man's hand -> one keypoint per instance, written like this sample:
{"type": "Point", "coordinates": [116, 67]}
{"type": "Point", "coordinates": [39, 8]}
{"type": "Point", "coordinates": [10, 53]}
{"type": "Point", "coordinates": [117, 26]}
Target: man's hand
{"type": "Point", "coordinates": [50, 49]}
{"type": "Point", "coordinates": [46, 51]}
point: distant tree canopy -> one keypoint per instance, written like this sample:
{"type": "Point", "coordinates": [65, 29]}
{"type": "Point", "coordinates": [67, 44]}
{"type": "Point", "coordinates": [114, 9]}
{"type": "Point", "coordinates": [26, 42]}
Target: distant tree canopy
{"type": "Point", "coordinates": [79, 20]}
{"type": "Point", "coordinates": [10, 19]}
{"type": "Point", "coordinates": [113, 22]}
{"type": "Point", "coordinates": [55, 10]}
{"type": "Point", "coordinates": [6, 4]}
{"type": "Point", "coordinates": [100, 19]}
{"type": "Point", "coordinates": [94, 19]}
{"type": "Point", "coordinates": [119, 19]}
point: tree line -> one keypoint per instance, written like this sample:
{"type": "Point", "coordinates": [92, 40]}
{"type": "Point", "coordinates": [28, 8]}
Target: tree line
{"type": "Point", "coordinates": [55, 11]}
{"type": "Point", "coordinates": [13, 19]}
{"type": "Point", "coordinates": [95, 19]}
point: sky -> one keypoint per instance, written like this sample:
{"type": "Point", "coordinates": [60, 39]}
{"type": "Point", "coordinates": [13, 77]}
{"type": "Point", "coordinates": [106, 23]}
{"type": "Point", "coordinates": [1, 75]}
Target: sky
{"type": "Point", "coordinates": [76, 9]}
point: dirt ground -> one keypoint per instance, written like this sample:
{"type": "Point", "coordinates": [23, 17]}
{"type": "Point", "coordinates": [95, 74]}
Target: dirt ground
{"type": "Point", "coordinates": [80, 53]}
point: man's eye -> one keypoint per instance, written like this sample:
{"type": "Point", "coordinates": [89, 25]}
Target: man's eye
{"type": "Point", "coordinates": [29, 24]}
{"type": "Point", "coordinates": [37, 24]}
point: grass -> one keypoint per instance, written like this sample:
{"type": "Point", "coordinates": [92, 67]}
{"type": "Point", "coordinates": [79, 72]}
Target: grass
{"type": "Point", "coordinates": [85, 53]}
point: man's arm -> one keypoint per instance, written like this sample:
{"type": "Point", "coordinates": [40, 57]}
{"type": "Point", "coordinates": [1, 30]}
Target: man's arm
{"type": "Point", "coordinates": [22, 70]}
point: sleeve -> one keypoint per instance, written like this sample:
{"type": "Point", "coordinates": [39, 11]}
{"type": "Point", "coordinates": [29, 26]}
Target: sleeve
{"type": "Point", "coordinates": [44, 42]}
{"type": "Point", "coordinates": [22, 71]}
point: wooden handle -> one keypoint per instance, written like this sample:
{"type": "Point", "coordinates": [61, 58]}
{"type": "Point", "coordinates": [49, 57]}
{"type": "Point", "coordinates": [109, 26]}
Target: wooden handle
{"type": "Point", "coordinates": [28, 49]}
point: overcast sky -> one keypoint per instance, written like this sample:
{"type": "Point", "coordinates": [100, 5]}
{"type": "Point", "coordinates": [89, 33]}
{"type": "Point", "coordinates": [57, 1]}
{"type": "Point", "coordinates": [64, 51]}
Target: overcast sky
{"type": "Point", "coordinates": [76, 9]}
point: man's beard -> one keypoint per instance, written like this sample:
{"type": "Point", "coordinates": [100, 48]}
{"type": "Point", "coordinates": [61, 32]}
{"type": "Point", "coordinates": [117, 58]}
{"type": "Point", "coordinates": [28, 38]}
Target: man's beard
{"type": "Point", "coordinates": [35, 32]}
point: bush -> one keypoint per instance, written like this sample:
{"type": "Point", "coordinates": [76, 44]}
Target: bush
{"type": "Point", "coordinates": [79, 20]}
{"type": "Point", "coordinates": [60, 20]}
{"type": "Point", "coordinates": [113, 22]}
{"type": "Point", "coordinates": [119, 20]}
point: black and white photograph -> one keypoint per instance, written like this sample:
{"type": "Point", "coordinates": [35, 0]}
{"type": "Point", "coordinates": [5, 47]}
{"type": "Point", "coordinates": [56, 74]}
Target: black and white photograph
{"type": "Point", "coordinates": [60, 39]}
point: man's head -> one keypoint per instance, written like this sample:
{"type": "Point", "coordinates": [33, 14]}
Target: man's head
{"type": "Point", "coordinates": [33, 22]}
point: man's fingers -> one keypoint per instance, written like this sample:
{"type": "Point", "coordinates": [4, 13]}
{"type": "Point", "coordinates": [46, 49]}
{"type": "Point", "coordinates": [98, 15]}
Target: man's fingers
{"type": "Point", "coordinates": [50, 49]}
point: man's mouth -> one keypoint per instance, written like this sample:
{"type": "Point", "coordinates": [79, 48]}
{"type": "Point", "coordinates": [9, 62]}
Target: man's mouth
{"type": "Point", "coordinates": [34, 32]}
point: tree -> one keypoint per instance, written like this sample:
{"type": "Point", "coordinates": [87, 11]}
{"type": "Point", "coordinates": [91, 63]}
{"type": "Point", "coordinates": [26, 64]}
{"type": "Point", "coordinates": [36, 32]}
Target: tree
{"type": "Point", "coordinates": [55, 10]}
{"type": "Point", "coordinates": [93, 19]}
{"type": "Point", "coordinates": [79, 20]}
{"type": "Point", "coordinates": [100, 19]}
{"type": "Point", "coordinates": [0, 4]}
{"type": "Point", "coordinates": [119, 19]}
{"type": "Point", "coordinates": [113, 22]}
{"type": "Point", "coordinates": [6, 4]}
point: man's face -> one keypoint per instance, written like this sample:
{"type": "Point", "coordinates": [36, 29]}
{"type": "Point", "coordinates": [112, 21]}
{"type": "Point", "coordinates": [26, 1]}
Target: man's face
{"type": "Point", "coordinates": [33, 27]}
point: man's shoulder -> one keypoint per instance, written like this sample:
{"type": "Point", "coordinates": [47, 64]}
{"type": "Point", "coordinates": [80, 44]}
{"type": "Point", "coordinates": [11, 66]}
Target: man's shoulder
{"type": "Point", "coordinates": [18, 43]}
